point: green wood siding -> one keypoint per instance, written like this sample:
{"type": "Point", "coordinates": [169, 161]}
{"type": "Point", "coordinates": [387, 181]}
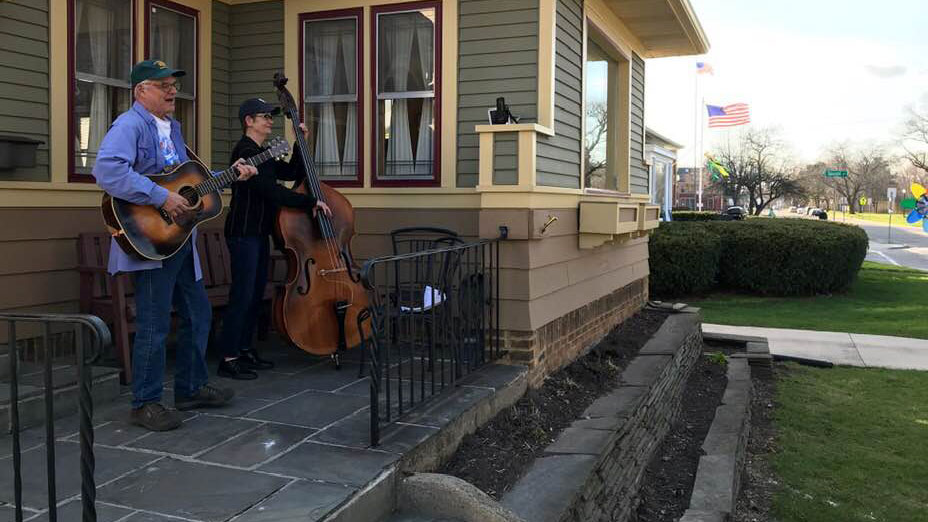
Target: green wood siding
{"type": "Point", "coordinates": [256, 52]}
{"type": "Point", "coordinates": [24, 82]}
{"type": "Point", "coordinates": [497, 56]}
{"type": "Point", "coordinates": [225, 128]}
{"type": "Point", "coordinates": [505, 158]}
{"type": "Point", "coordinates": [639, 171]}
{"type": "Point", "coordinates": [559, 155]}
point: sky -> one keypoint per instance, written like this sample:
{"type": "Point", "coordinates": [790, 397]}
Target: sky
{"type": "Point", "coordinates": [821, 71]}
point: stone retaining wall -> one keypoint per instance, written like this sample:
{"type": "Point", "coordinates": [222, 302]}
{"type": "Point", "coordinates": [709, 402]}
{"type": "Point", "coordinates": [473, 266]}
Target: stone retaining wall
{"type": "Point", "coordinates": [594, 469]}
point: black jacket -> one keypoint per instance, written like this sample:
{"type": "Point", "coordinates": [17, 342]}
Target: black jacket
{"type": "Point", "coordinates": [255, 202]}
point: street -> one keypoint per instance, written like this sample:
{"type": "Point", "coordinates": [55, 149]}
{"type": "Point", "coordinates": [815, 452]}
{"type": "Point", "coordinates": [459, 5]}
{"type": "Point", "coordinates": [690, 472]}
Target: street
{"type": "Point", "coordinates": [906, 246]}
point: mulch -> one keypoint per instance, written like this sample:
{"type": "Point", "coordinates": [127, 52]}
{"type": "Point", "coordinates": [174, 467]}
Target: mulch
{"type": "Point", "coordinates": [500, 452]}
{"type": "Point", "coordinates": [668, 481]}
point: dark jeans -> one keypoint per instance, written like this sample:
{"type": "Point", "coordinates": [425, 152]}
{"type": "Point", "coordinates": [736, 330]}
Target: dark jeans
{"type": "Point", "coordinates": [155, 290]}
{"type": "Point", "coordinates": [249, 255]}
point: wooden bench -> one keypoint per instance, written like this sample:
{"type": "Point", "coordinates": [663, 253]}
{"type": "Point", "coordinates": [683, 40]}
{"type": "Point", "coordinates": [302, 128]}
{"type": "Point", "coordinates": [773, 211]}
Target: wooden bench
{"type": "Point", "coordinates": [111, 297]}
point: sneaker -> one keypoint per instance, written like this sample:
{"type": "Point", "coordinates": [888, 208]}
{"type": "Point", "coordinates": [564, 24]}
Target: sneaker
{"type": "Point", "coordinates": [155, 417]}
{"type": "Point", "coordinates": [207, 397]}
{"type": "Point", "coordinates": [234, 369]}
{"type": "Point", "coordinates": [250, 360]}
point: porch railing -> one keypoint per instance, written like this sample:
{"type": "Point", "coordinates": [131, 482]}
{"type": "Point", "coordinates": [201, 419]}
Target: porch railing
{"type": "Point", "coordinates": [91, 336]}
{"type": "Point", "coordinates": [434, 317]}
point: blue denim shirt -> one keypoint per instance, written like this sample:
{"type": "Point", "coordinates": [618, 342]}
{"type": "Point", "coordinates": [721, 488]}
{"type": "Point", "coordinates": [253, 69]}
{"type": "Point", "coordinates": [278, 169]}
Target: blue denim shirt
{"type": "Point", "coordinates": [128, 151]}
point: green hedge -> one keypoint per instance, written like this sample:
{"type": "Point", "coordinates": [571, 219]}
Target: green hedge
{"type": "Point", "coordinates": [692, 215]}
{"type": "Point", "coordinates": [684, 259]}
{"type": "Point", "coordinates": [761, 256]}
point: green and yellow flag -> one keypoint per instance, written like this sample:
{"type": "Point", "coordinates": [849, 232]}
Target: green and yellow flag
{"type": "Point", "coordinates": [716, 170]}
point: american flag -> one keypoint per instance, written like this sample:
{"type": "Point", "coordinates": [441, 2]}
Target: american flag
{"type": "Point", "coordinates": [704, 68]}
{"type": "Point", "coordinates": [729, 115]}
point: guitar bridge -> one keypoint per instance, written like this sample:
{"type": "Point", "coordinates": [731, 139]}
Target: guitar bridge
{"type": "Point", "coordinates": [164, 215]}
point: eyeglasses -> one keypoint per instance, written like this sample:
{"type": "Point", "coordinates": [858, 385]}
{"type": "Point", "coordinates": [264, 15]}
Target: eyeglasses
{"type": "Point", "coordinates": [266, 115]}
{"type": "Point", "coordinates": [166, 86]}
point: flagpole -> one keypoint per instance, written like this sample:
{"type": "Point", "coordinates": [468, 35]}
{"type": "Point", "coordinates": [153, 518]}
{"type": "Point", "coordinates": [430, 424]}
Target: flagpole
{"type": "Point", "coordinates": [696, 147]}
{"type": "Point", "coordinates": [702, 142]}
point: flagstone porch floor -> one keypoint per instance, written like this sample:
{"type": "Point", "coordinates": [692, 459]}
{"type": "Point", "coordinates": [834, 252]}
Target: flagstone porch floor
{"type": "Point", "coordinates": [292, 445]}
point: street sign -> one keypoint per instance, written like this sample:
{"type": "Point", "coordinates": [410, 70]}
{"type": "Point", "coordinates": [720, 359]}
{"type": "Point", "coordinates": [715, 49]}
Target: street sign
{"type": "Point", "coordinates": [835, 173]}
{"type": "Point", "coordinates": [863, 200]}
{"type": "Point", "coordinates": [891, 193]}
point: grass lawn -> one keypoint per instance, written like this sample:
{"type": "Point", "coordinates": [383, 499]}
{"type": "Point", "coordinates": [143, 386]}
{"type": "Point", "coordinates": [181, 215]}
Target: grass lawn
{"type": "Point", "coordinates": [851, 445]}
{"type": "Point", "coordinates": [898, 219]}
{"type": "Point", "coordinates": [885, 300]}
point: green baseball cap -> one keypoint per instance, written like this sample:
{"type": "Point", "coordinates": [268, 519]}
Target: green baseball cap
{"type": "Point", "coordinates": [152, 70]}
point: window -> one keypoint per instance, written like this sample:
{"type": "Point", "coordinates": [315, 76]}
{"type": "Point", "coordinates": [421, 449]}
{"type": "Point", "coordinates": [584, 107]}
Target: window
{"type": "Point", "coordinates": [102, 32]}
{"type": "Point", "coordinates": [406, 53]}
{"type": "Point", "coordinates": [172, 38]}
{"type": "Point", "coordinates": [331, 83]}
{"type": "Point", "coordinates": [599, 134]}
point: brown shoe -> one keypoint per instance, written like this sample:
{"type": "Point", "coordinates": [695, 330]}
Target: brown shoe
{"type": "Point", "coordinates": [155, 417]}
{"type": "Point", "coordinates": [206, 397]}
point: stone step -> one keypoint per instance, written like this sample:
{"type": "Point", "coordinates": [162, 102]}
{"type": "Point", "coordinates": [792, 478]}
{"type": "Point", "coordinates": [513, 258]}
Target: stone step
{"type": "Point", "coordinates": [66, 393]}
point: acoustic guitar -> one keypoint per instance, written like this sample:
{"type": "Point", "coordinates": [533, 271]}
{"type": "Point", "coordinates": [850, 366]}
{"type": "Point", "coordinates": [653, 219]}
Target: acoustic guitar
{"type": "Point", "coordinates": [149, 232]}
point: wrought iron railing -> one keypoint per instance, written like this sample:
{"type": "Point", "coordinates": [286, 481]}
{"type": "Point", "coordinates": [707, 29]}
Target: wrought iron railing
{"type": "Point", "coordinates": [434, 317]}
{"type": "Point", "coordinates": [90, 336]}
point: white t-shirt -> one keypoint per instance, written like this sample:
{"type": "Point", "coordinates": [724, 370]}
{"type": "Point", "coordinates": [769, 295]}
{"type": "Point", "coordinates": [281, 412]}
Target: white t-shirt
{"type": "Point", "coordinates": [165, 145]}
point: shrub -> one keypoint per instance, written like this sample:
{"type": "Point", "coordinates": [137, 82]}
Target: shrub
{"type": "Point", "coordinates": [761, 256]}
{"type": "Point", "coordinates": [692, 215]}
{"type": "Point", "coordinates": [684, 259]}
{"type": "Point", "coordinates": [790, 257]}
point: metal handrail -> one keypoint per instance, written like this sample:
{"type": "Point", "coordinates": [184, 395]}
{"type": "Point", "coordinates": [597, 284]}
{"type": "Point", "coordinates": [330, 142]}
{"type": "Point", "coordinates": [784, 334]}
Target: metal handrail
{"type": "Point", "coordinates": [100, 338]}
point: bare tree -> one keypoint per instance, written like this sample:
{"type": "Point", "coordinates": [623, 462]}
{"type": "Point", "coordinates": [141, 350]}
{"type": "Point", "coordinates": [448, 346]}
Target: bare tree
{"type": "Point", "coordinates": [867, 171]}
{"type": "Point", "coordinates": [596, 132]}
{"type": "Point", "coordinates": [759, 167]}
{"type": "Point", "coordinates": [915, 137]}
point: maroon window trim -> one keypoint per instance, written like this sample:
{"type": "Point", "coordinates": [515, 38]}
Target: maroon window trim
{"type": "Point", "coordinates": [358, 15]}
{"type": "Point", "coordinates": [436, 169]}
{"type": "Point", "coordinates": [74, 177]}
{"type": "Point", "coordinates": [189, 11]}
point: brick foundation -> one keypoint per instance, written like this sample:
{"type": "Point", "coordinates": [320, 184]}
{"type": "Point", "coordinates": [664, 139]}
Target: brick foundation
{"type": "Point", "coordinates": [559, 342]}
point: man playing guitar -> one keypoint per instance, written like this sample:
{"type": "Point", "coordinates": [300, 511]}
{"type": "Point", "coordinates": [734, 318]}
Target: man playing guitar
{"type": "Point", "coordinates": [146, 139]}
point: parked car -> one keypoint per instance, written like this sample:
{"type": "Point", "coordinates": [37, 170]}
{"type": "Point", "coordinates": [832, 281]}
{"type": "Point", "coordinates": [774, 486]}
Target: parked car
{"type": "Point", "coordinates": [819, 213]}
{"type": "Point", "coordinates": [732, 213]}
{"type": "Point", "coordinates": [792, 210]}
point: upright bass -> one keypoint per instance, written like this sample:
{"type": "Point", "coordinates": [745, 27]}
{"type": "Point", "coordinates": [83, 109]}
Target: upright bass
{"type": "Point", "coordinates": [317, 309]}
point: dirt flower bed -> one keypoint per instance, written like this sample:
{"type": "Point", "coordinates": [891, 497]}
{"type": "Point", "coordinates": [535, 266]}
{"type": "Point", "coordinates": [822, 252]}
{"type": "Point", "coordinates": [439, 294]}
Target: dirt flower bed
{"type": "Point", "coordinates": [497, 454]}
{"type": "Point", "coordinates": [668, 481]}
{"type": "Point", "coordinates": [758, 481]}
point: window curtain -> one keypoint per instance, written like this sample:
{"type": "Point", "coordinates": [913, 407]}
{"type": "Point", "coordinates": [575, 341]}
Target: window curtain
{"type": "Point", "coordinates": [398, 36]}
{"type": "Point", "coordinates": [349, 164]}
{"type": "Point", "coordinates": [100, 26]}
{"type": "Point", "coordinates": [325, 50]}
{"type": "Point", "coordinates": [165, 40]}
{"type": "Point", "coordinates": [424, 147]}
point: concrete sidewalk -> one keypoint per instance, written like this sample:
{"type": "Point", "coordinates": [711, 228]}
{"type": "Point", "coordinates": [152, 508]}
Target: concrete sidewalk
{"type": "Point", "coordinates": [876, 351]}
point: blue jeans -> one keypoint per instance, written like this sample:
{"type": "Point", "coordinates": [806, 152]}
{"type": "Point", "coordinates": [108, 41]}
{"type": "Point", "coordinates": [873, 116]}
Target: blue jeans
{"type": "Point", "coordinates": [155, 291]}
{"type": "Point", "coordinates": [249, 255]}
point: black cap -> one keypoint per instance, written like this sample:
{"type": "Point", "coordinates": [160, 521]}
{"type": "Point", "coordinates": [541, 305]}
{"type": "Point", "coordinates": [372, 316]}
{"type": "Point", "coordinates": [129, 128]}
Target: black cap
{"type": "Point", "coordinates": [152, 70]}
{"type": "Point", "coordinates": [253, 106]}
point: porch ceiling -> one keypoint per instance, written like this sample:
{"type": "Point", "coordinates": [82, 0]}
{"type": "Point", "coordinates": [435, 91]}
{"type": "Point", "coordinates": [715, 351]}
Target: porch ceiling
{"type": "Point", "coordinates": [664, 27]}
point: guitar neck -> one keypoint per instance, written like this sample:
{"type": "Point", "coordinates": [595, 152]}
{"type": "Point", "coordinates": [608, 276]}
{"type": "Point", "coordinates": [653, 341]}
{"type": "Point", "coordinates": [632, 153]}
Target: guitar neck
{"type": "Point", "coordinates": [217, 183]}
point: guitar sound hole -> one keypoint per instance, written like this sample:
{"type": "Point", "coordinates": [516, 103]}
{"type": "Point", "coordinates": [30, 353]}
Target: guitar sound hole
{"type": "Point", "coordinates": [190, 194]}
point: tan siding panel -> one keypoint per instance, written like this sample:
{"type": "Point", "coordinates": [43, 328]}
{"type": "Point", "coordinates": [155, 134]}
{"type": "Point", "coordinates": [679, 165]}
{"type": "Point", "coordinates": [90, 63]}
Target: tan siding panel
{"type": "Point", "coordinates": [41, 255]}
{"type": "Point", "coordinates": [38, 289]}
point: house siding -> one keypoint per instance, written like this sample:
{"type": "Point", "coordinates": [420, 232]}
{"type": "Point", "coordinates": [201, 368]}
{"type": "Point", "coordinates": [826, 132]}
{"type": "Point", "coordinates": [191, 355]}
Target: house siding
{"type": "Point", "coordinates": [224, 127]}
{"type": "Point", "coordinates": [24, 99]}
{"type": "Point", "coordinates": [497, 56]}
{"type": "Point", "coordinates": [256, 52]}
{"type": "Point", "coordinates": [639, 171]}
{"type": "Point", "coordinates": [559, 155]}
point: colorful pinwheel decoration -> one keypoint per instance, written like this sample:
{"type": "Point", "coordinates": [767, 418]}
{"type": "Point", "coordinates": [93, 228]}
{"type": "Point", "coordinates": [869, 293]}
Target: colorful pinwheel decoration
{"type": "Point", "coordinates": [918, 203]}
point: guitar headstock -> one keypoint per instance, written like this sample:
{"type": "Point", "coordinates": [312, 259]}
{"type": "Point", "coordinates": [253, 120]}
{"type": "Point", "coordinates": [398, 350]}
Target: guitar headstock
{"type": "Point", "coordinates": [278, 147]}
